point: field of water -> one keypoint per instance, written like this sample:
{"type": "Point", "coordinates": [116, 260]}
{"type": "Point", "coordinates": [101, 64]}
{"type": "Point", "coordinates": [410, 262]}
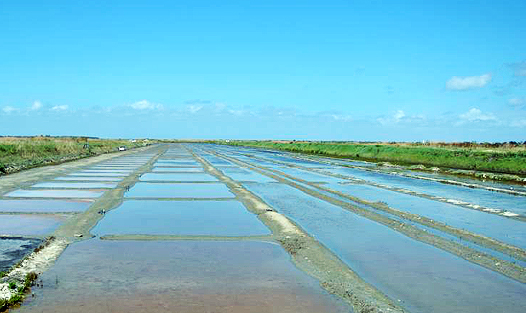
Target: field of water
{"type": "Point", "coordinates": [180, 237]}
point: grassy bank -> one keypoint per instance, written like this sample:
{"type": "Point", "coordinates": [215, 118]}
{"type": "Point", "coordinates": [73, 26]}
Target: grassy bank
{"type": "Point", "coordinates": [19, 153]}
{"type": "Point", "coordinates": [509, 159]}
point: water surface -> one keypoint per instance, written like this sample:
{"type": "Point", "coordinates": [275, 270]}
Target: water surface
{"type": "Point", "coordinates": [43, 206]}
{"type": "Point", "coordinates": [13, 249]}
{"type": "Point", "coordinates": [211, 218]}
{"type": "Point", "coordinates": [179, 177]}
{"type": "Point", "coordinates": [179, 190]}
{"type": "Point", "coordinates": [75, 185]}
{"type": "Point", "coordinates": [29, 224]}
{"type": "Point", "coordinates": [481, 197]}
{"type": "Point", "coordinates": [424, 278]}
{"type": "Point", "coordinates": [501, 228]}
{"type": "Point", "coordinates": [47, 193]}
{"type": "Point", "coordinates": [179, 276]}
{"type": "Point", "coordinates": [86, 178]}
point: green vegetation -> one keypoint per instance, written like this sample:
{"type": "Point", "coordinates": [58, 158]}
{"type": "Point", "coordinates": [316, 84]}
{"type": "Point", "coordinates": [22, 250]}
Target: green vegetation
{"type": "Point", "coordinates": [18, 297]}
{"type": "Point", "coordinates": [30, 278]}
{"type": "Point", "coordinates": [507, 158]}
{"type": "Point", "coordinates": [19, 153]}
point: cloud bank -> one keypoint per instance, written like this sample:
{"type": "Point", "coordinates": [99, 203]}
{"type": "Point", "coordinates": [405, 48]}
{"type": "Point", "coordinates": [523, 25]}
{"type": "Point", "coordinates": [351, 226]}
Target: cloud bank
{"type": "Point", "coordinates": [476, 115]}
{"type": "Point", "coordinates": [146, 105]}
{"type": "Point", "coordinates": [469, 82]}
{"type": "Point", "coordinates": [37, 105]}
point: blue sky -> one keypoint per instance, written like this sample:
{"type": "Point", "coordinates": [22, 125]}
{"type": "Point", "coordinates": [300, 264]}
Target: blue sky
{"type": "Point", "coordinates": [320, 70]}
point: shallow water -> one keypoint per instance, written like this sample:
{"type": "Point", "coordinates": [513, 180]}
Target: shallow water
{"type": "Point", "coordinates": [29, 224]}
{"type": "Point", "coordinates": [284, 158]}
{"type": "Point", "coordinates": [101, 174]}
{"type": "Point", "coordinates": [424, 278]}
{"type": "Point", "coordinates": [86, 178]}
{"type": "Point", "coordinates": [132, 163]}
{"type": "Point", "coordinates": [90, 170]}
{"type": "Point", "coordinates": [43, 206]}
{"type": "Point", "coordinates": [490, 225]}
{"type": "Point", "coordinates": [178, 177]}
{"type": "Point", "coordinates": [216, 161]}
{"type": "Point", "coordinates": [176, 161]}
{"type": "Point", "coordinates": [114, 166]}
{"type": "Point", "coordinates": [245, 175]}
{"type": "Point", "coordinates": [468, 180]}
{"type": "Point", "coordinates": [179, 169]}
{"type": "Point", "coordinates": [178, 276]}
{"type": "Point", "coordinates": [211, 218]}
{"type": "Point", "coordinates": [308, 176]}
{"type": "Point", "coordinates": [481, 197]}
{"type": "Point", "coordinates": [75, 185]}
{"type": "Point", "coordinates": [54, 193]}
{"type": "Point", "coordinates": [179, 190]}
{"type": "Point", "coordinates": [13, 249]}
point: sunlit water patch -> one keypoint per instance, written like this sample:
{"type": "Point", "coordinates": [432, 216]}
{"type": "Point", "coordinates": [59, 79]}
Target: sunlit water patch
{"type": "Point", "coordinates": [43, 206]}
{"type": "Point", "coordinates": [47, 193]}
{"type": "Point", "coordinates": [179, 190]}
{"type": "Point", "coordinates": [29, 224]}
{"type": "Point", "coordinates": [179, 177]}
{"type": "Point", "coordinates": [180, 276]}
{"type": "Point", "coordinates": [422, 277]}
{"type": "Point", "coordinates": [75, 185]}
{"type": "Point", "coordinates": [212, 218]}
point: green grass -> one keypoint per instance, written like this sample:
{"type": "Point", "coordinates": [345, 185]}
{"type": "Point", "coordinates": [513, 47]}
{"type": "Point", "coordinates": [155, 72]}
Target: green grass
{"type": "Point", "coordinates": [18, 297]}
{"type": "Point", "coordinates": [18, 153]}
{"type": "Point", "coordinates": [498, 160]}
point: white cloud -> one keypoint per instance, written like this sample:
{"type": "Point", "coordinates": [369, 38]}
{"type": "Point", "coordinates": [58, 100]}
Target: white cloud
{"type": "Point", "coordinates": [475, 115]}
{"type": "Point", "coordinates": [341, 117]}
{"type": "Point", "coordinates": [334, 115]}
{"type": "Point", "coordinates": [517, 102]}
{"type": "Point", "coordinates": [518, 123]}
{"type": "Point", "coordinates": [399, 115]}
{"type": "Point", "coordinates": [146, 105]}
{"type": "Point", "coordinates": [59, 108]}
{"type": "Point", "coordinates": [37, 105]}
{"type": "Point", "coordinates": [9, 109]}
{"type": "Point", "coordinates": [194, 108]}
{"type": "Point", "coordinates": [469, 82]}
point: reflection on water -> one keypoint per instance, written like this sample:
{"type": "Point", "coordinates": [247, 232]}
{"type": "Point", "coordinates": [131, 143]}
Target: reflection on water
{"type": "Point", "coordinates": [87, 178]}
{"type": "Point", "coordinates": [180, 190]}
{"type": "Point", "coordinates": [47, 206]}
{"type": "Point", "coordinates": [215, 218]}
{"type": "Point", "coordinates": [99, 185]}
{"type": "Point", "coordinates": [101, 174]}
{"type": "Point", "coordinates": [498, 227]}
{"type": "Point", "coordinates": [178, 177]}
{"type": "Point", "coordinates": [45, 193]}
{"type": "Point", "coordinates": [178, 169]}
{"type": "Point", "coordinates": [246, 175]}
{"type": "Point", "coordinates": [179, 276]}
{"type": "Point", "coordinates": [424, 278]}
{"type": "Point", "coordinates": [14, 249]}
{"type": "Point", "coordinates": [482, 197]}
{"type": "Point", "coordinates": [29, 224]}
